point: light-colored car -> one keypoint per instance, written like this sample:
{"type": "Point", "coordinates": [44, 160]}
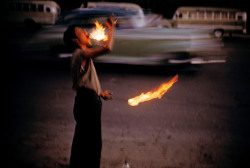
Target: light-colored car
{"type": "Point", "coordinates": [137, 45]}
{"type": "Point", "coordinates": [129, 15]}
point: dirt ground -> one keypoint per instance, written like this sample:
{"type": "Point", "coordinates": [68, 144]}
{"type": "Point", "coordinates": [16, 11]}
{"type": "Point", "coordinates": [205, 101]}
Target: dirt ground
{"type": "Point", "coordinates": [201, 122]}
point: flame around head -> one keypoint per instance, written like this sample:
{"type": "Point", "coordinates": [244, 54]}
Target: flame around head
{"type": "Point", "coordinates": [157, 93]}
{"type": "Point", "coordinates": [99, 32]}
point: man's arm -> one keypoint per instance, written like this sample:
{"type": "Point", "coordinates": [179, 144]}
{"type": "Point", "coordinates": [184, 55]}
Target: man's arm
{"type": "Point", "coordinates": [110, 24]}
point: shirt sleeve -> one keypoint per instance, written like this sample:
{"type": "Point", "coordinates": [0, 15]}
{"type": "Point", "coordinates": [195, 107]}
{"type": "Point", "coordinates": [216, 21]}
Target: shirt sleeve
{"type": "Point", "coordinates": [76, 61]}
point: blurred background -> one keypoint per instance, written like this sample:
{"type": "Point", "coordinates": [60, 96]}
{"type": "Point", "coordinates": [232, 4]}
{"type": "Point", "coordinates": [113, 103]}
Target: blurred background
{"type": "Point", "coordinates": [202, 121]}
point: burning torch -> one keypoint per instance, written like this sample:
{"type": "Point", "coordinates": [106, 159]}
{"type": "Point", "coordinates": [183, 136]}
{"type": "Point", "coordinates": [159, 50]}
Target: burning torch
{"type": "Point", "coordinates": [157, 93]}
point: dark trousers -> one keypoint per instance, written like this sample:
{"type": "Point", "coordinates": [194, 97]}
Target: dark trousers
{"type": "Point", "coordinates": [87, 141]}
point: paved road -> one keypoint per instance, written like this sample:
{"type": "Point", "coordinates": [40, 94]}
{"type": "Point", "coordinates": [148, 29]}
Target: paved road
{"type": "Point", "coordinates": [202, 121]}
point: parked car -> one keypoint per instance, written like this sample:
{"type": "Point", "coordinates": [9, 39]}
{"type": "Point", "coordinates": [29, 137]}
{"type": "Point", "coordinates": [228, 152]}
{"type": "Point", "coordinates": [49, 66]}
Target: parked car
{"type": "Point", "coordinates": [30, 12]}
{"type": "Point", "coordinates": [219, 20]}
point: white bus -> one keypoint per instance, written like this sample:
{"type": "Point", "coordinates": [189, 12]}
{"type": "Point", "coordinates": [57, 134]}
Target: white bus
{"type": "Point", "coordinates": [29, 12]}
{"type": "Point", "coordinates": [220, 20]}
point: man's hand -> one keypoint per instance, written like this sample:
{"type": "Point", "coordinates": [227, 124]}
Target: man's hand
{"type": "Point", "coordinates": [110, 22]}
{"type": "Point", "coordinates": [106, 95]}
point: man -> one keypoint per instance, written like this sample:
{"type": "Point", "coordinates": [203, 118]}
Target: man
{"type": "Point", "coordinates": [87, 141]}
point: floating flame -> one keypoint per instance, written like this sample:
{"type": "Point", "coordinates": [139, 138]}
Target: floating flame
{"type": "Point", "coordinates": [99, 32]}
{"type": "Point", "coordinates": [157, 93]}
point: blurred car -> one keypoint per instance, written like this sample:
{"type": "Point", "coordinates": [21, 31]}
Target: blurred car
{"type": "Point", "coordinates": [136, 18]}
{"type": "Point", "coordinates": [144, 46]}
{"type": "Point", "coordinates": [134, 44]}
{"type": "Point", "coordinates": [129, 15]}
{"type": "Point", "coordinates": [164, 46]}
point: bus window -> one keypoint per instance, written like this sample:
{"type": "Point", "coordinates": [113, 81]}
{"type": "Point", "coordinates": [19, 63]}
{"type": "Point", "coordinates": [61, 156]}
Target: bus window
{"type": "Point", "coordinates": [224, 15]}
{"type": "Point", "coordinates": [40, 8]}
{"type": "Point", "coordinates": [209, 15]}
{"type": "Point", "coordinates": [185, 15]}
{"type": "Point", "coordinates": [180, 15]}
{"type": "Point", "coordinates": [33, 7]}
{"type": "Point", "coordinates": [47, 9]}
{"type": "Point", "coordinates": [192, 15]}
{"type": "Point", "coordinates": [239, 18]}
{"type": "Point", "coordinates": [216, 15]}
{"type": "Point", "coordinates": [232, 15]}
{"type": "Point", "coordinates": [201, 14]}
